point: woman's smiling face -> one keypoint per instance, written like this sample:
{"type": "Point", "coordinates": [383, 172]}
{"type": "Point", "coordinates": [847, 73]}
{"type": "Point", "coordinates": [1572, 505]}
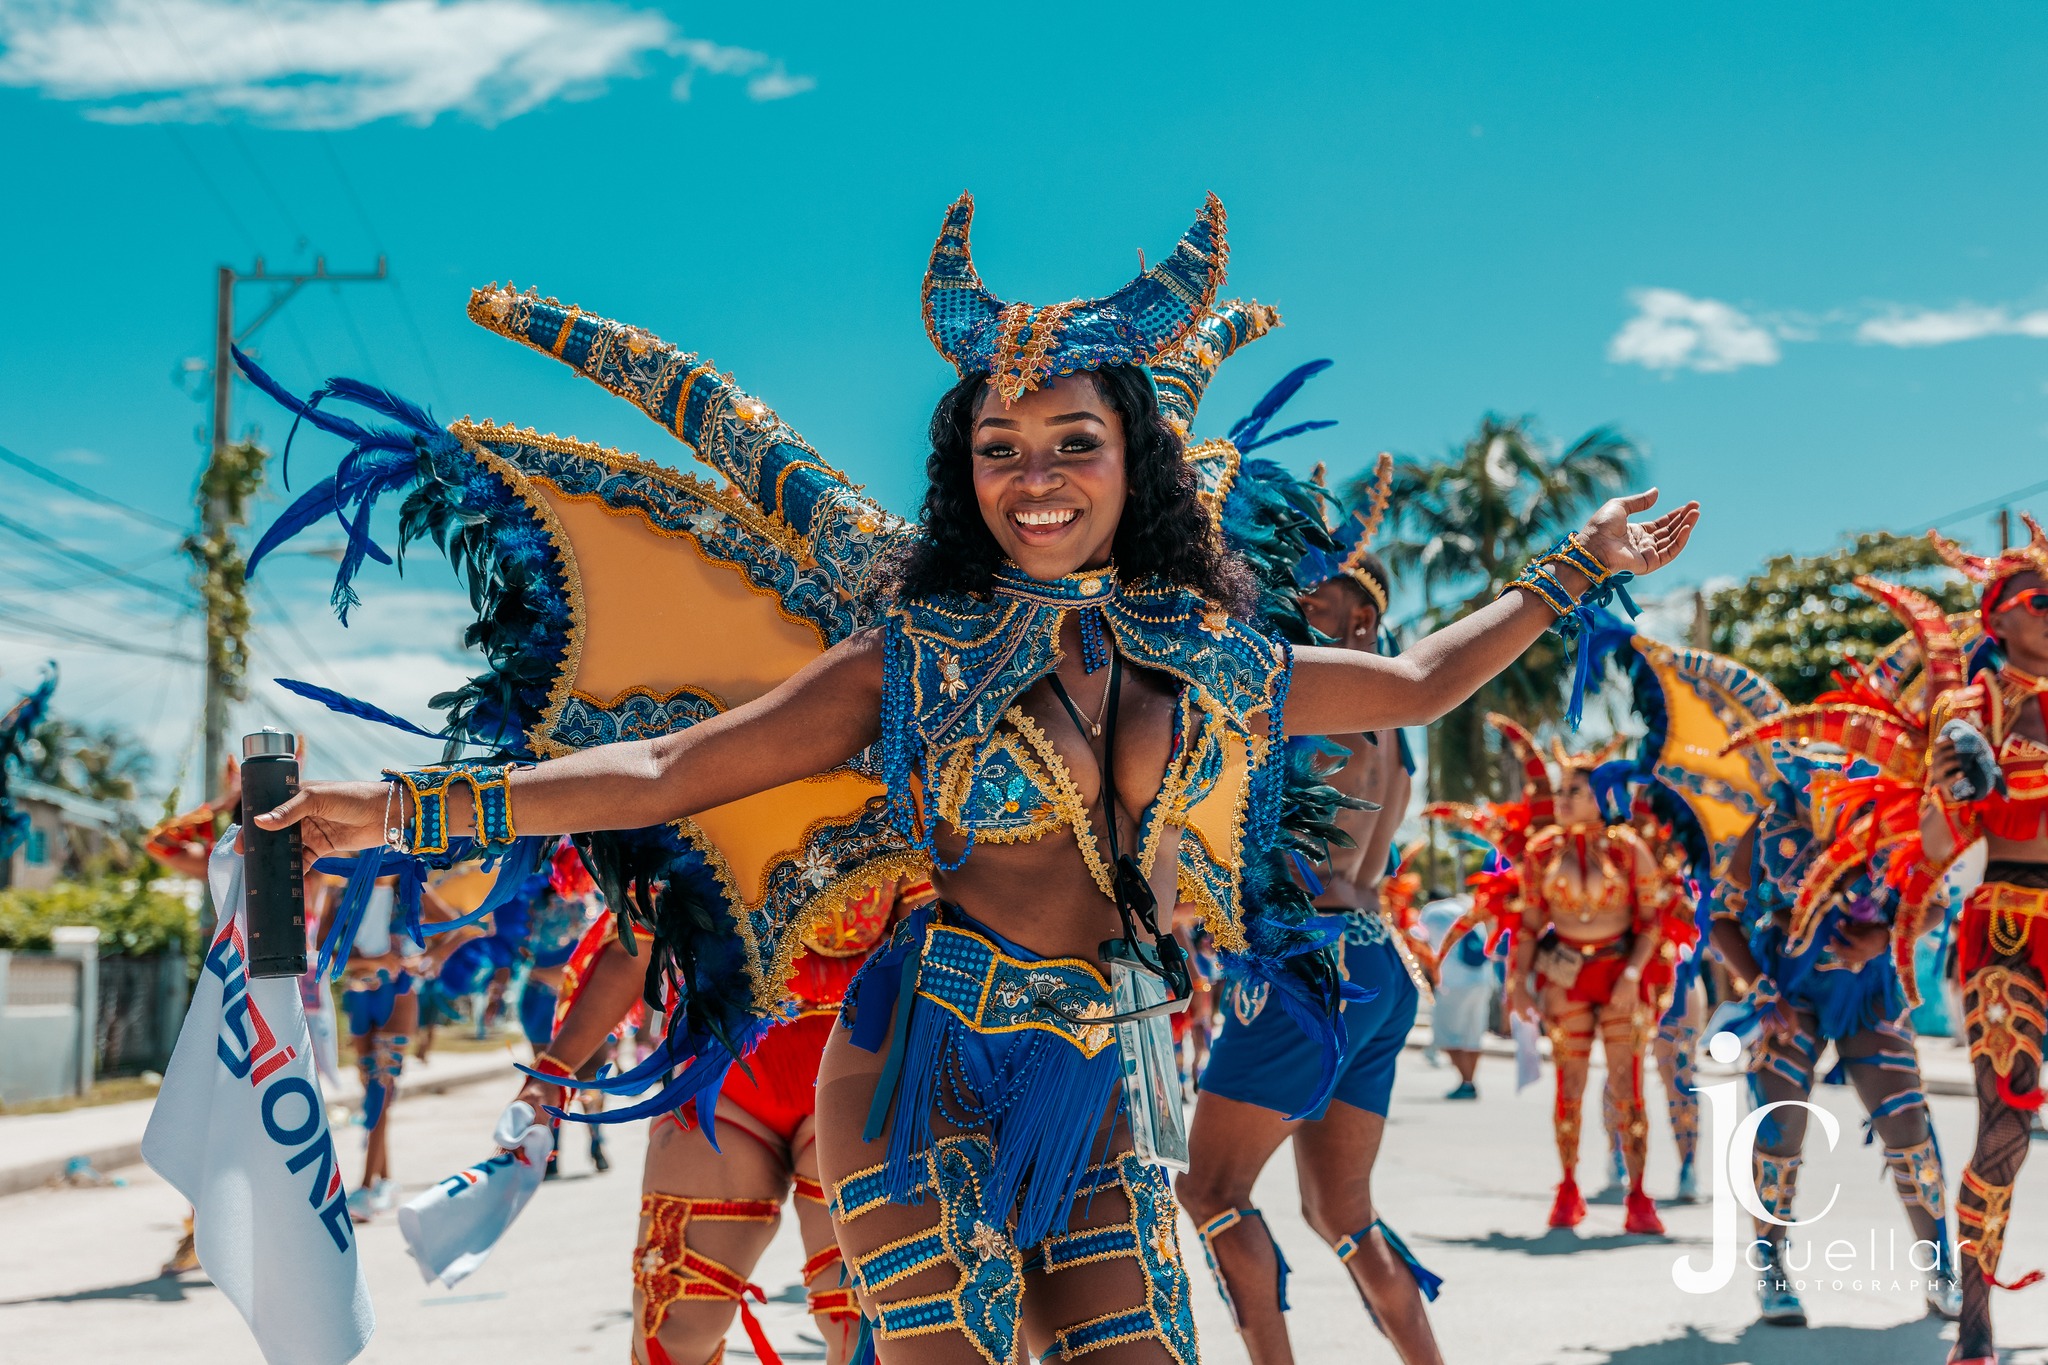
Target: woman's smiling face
{"type": "Point", "coordinates": [1049, 475]}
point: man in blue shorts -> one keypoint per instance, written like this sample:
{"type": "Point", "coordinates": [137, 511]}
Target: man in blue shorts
{"type": "Point", "coordinates": [1262, 1068]}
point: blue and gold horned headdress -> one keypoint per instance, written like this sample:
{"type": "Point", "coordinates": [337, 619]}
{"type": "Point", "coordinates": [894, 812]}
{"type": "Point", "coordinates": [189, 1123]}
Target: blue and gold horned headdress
{"type": "Point", "coordinates": [1021, 346]}
{"type": "Point", "coordinates": [1355, 537]}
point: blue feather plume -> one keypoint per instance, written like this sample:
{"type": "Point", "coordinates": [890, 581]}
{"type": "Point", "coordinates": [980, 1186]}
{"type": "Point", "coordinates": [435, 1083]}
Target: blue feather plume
{"type": "Point", "coordinates": [350, 706]}
{"type": "Point", "coordinates": [1247, 432]}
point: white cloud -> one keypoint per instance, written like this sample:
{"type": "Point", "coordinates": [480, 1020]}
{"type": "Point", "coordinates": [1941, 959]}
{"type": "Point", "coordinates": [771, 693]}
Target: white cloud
{"type": "Point", "coordinates": [1940, 327]}
{"type": "Point", "coordinates": [767, 78]}
{"type": "Point", "coordinates": [1675, 331]}
{"type": "Point", "coordinates": [341, 63]}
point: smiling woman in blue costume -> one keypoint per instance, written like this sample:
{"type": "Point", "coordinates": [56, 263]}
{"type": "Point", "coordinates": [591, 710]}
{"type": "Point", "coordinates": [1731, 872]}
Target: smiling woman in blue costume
{"type": "Point", "coordinates": [1060, 709]}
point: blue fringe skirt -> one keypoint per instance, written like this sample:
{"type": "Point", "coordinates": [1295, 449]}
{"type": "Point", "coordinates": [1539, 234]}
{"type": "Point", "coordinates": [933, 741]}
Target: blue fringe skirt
{"type": "Point", "coordinates": [986, 1037]}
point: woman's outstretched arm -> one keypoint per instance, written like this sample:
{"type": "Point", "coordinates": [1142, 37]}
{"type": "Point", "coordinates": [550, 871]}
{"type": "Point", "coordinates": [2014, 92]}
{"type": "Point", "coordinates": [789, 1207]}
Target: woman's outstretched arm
{"type": "Point", "coordinates": [817, 720]}
{"type": "Point", "coordinates": [1345, 691]}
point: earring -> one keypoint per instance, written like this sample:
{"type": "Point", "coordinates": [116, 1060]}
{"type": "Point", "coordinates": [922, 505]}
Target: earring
{"type": "Point", "coordinates": [1361, 631]}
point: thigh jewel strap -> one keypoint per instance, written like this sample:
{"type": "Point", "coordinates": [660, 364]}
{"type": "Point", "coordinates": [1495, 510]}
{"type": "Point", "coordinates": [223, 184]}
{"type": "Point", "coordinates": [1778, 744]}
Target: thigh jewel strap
{"type": "Point", "coordinates": [1150, 1236]}
{"type": "Point", "coordinates": [836, 1303]}
{"type": "Point", "coordinates": [666, 1270]}
{"type": "Point", "coordinates": [984, 1302]}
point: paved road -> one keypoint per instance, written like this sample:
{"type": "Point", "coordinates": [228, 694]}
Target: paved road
{"type": "Point", "coordinates": [1468, 1184]}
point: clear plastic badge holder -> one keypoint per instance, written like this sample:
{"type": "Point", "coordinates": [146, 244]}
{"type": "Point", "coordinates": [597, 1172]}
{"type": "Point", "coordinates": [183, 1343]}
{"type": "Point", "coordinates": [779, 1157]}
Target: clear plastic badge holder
{"type": "Point", "coordinates": [1151, 1069]}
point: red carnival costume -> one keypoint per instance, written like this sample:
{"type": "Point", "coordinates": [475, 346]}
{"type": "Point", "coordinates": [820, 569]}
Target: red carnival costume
{"type": "Point", "coordinates": [776, 1090]}
{"type": "Point", "coordinates": [1551, 880]}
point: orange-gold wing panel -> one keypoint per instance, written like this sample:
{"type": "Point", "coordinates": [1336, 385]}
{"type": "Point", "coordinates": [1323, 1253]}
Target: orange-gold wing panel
{"type": "Point", "coordinates": [679, 606]}
{"type": "Point", "coordinates": [1707, 700]}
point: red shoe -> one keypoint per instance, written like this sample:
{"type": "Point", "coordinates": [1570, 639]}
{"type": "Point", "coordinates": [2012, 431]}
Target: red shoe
{"type": "Point", "coordinates": [1569, 1209]}
{"type": "Point", "coordinates": [1642, 1215]}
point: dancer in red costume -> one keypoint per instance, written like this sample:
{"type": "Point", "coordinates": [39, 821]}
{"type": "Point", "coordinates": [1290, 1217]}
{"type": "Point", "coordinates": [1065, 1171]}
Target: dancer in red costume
{"type": "Point", "coordinates": [708, 1213]}
{"type": "Point", "coordinates": [1593, 900]}
{"type": "Point", "coordinates": [2003, 948]}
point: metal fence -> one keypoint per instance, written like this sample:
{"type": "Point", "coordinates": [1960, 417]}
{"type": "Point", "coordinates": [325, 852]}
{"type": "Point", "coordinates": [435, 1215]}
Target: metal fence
{"type": "Point", "coordinates": [141, 1006]}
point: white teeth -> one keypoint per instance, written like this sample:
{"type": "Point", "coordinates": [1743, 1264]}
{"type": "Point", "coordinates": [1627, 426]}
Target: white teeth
{"type": "Point", "coordinates": [1058, 518]}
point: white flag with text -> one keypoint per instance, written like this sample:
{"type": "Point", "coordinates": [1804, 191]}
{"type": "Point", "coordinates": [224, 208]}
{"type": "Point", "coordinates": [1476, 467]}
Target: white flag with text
{"type": "Point", "coordinates": [240, 1129]}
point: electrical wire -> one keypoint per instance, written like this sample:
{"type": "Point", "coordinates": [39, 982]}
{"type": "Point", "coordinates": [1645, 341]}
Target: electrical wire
{"type": "Point", "coordinates": [1992, 504]}
{"type": "Point", "coordinates": [177, 138]}
{"type": "Point", "coordinates": [72, 486]}
{"type": "Point", "coordinates": [94, 562]}
{"type": "Point", "coordinates": [348, 319]}
{"type": "Point", "coordinates": [30, 633]}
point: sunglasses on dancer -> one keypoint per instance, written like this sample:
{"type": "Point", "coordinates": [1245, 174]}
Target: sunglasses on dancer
{"type": "Point", "coordinates": [2033, 602]}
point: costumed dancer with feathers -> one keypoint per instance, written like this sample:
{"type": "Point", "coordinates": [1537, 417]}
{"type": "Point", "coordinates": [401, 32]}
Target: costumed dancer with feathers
{"type": "Point", "coordinates": [17, 727]}
{"type": "Point", "coordinates": [1818, 872]}
{"type": "Point", "coordinates": [1832, 981]}
{"type": "Point", "coordinates": [1680, 1011]}
{"type": "Point", "coordinates": [1591, 919]}
{"type": "Point", "coordinates": [1264, 1070]}
{"type": "Point", "coordinates": [540, 928]}
{"type": "Point", "coordinates": [1986, 777]}
{"type": "Point", "coordinates": [1048, 694]}
{"type": "Point", "coordinates": [708, 1212]}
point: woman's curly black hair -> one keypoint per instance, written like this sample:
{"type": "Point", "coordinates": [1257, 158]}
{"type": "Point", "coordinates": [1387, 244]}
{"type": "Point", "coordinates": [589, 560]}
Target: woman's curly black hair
{"type": "Point", "coordinates": [1163, 535]}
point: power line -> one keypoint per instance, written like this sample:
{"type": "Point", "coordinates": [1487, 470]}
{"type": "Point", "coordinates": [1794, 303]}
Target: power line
{"type": "Point", "coordinates": [1993, 504]}
{"type": "Point", "coordinates": [220, 199]}
{"type": "Point", "coordinates": [41, 583]}
{"type": "Point", "coordinates": [51, 476]}
{"type": "Point", "coordinates": [90, 561]}
{"type": "Point", "coordinates": [37, 629]}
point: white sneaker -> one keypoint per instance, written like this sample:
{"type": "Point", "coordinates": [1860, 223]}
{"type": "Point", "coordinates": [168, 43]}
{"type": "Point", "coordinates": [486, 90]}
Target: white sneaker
{"type": "Point", "coordinates": [362, 1205]}
{"type": "Point", "coordinates": [386, 1197]}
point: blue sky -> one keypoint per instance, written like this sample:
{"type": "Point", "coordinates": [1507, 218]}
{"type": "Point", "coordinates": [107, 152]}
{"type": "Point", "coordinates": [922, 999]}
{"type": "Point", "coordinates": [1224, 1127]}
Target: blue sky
{"type": "Point", "coordinates": [1796, 254]}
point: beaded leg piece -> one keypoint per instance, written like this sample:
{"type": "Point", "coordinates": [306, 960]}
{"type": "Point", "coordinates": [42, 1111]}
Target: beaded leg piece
{"type": "Point", "coordinates": [1916, 1175]}
{"type": "Point", "coordinates": [1777, 1180]}
{"type": "Point", "coordinates": [835, 1303]}
{"type": "Point", "coordinates": [1676, 1041]}
{"type": "Point", "coordinates": [1216, 1227]}
{"type": "Point", "coordinates": [2004, 1022]}
{"type": "Point", "coordinates": [380, 1069]}
{"type": "Point", "coordinates": [1981, 1213]}
{"type": "Point", "coordinates": [666, 1270]}
{"type": "Point", "coordinates": [984, 1303]}
{"type": "Point", "coordinates": [1150, 1236]}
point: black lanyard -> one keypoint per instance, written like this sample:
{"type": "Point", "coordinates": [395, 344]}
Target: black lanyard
{"type": "Point", "coordinates": [1135, 902]}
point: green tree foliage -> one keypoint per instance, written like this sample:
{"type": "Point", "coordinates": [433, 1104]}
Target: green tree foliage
{"type": "Point", "coordinates": [231, 479]}
{"type": "Point", "coordinates": [133, 915]}
{"type": "Point", "coordinates": [1467, 524]}
{"type": "Point", "coordinates": [1796, 620]}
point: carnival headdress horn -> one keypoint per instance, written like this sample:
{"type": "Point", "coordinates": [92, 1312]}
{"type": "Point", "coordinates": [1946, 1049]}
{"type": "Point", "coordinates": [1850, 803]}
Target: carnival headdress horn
{"type": "Point", "coordinates": [1021, 346]}
{"type": "Point", "coordinates": [1355, 537]}
{"type": "Point", "coordinates": [1990, 572]}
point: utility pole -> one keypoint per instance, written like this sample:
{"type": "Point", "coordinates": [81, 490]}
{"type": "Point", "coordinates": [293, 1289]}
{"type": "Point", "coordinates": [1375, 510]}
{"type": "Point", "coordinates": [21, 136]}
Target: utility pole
{"type": "Point", "coordinates": [214, 515]}
{"type": "Point", "coordinates": [2004, 529]}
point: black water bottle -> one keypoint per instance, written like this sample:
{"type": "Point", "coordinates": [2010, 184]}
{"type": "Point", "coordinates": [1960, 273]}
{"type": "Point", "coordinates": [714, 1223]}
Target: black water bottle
{"type": "Point", "coordinates": [273, 887]}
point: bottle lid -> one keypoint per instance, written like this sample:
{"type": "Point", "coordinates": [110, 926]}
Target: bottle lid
{"type": "Point", "coordinates": [268, 741]}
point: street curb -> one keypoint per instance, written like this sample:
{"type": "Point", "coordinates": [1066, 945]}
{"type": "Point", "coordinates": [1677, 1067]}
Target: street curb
{"type": "Point", "coordinates": [39, 1174]}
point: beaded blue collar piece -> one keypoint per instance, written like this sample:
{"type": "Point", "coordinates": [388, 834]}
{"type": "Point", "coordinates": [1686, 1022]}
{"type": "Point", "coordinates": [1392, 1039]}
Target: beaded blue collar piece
{"type": "Point", "coordinates": [1021, 346]}
{"type": "Point", "coordinates": [955, 665]}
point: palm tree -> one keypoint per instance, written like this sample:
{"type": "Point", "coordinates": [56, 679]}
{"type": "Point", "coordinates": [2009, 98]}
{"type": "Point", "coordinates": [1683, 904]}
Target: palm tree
{"type": "Point", "coordinates": [1468, 524]}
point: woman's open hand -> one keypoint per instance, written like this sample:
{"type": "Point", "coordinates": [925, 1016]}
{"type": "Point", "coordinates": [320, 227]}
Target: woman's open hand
{"type": "Point", "coordinates": [1638, 547]}
{"type": "Point", "coordinates": [335, 817]}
